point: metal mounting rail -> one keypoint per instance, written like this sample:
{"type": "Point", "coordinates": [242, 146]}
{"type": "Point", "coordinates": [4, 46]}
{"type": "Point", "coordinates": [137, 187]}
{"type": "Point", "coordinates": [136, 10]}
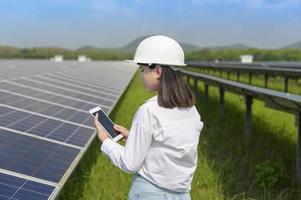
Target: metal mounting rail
{"type": "Point", "coordinates": [279, 100]}
{"type": "Point", "coordinates": [285, 65]}
{"type": "Point", "coordinates": [267, 70]}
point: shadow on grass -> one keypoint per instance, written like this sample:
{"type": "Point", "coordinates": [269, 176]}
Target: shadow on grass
{"type": "Point", "coordinates": [261, 167]}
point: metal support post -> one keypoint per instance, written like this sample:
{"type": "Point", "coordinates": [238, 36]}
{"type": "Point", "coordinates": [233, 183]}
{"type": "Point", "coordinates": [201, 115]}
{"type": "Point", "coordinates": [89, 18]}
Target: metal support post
{"type": "Point", "coordinates": [298, 160]}
{"type": "Point", "coordinates": [285, 84]}
{"type": "Point", "coordinates": [228, 75]}
{"type": "Point", "coordinates": [266, 77]}
{"type": "Point", "coordinates": [238, 76]}
{"type": "Point", "coordinates": [222, 101]}
{"type": "Point", "coordinates": [206, 92]}
{"type": "Point", "coordinates": [250, 78]}
{"type": "Point", "coordinates": [188, 80]}
{"type": "Point", "coordinates": [249, 101]}
{"type": "Point", "coordinates": [195, 83]}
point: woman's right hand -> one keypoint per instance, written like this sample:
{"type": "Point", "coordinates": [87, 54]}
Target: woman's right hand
{"type": "Point", "coordinates": [122, 130]}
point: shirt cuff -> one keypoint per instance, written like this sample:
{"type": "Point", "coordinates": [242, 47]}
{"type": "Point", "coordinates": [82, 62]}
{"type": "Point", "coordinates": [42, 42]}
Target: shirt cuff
{"type": "Point", "coordinates": [107, 146]}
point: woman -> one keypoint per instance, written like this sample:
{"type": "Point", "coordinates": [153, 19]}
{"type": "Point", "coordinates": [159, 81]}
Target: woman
{"type": "Point", "coordinates": [161, 146]}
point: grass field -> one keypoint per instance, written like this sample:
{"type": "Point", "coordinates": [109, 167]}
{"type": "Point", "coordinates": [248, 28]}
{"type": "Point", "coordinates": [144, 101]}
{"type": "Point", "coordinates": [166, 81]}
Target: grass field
{"type": "Point", "coordinates": [229, 165]}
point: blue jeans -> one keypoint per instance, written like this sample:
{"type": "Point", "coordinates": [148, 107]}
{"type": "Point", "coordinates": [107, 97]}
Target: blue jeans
{"type": "Point", "coordinates": [145, 190]}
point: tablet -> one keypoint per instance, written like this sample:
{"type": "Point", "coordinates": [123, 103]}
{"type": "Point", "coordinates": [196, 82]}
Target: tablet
{"type": "Point", "coordinates": [106, 123]}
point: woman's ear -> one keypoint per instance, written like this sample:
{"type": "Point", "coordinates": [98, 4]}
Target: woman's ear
{"type": "Point", "coordinates": [158, 71]}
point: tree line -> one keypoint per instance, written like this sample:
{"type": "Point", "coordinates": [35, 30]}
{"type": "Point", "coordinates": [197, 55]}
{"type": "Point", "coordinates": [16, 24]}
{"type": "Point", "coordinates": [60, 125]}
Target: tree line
{"type": "Point", "coordinates": [206, 54]}
{"type": "Point", "coordinates": [49, 52]}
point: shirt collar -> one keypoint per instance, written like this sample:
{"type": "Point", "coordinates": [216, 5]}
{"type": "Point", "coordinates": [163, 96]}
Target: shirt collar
{"type": "Point", "coordinates": [154, 98]}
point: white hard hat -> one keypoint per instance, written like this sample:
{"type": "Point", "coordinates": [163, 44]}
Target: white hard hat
{"type": "Point", "coordinates": [159, 49]}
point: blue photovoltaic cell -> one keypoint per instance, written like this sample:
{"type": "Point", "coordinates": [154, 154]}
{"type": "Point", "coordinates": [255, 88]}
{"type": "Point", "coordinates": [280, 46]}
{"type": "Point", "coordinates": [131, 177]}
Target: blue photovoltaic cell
{"type": "Point", "coordinates": [7, 86]}
{"type": "Point", "coordinates": [81, 136]}
{"type": "Point", "coordinates": [21, 102]}
{"type": "Point", "coordinates": [36, 107]}
{"type": "Point", "coordinates": [14, 188]}
{"type": "Point", "coordinates": [44, 127]}
{"type": "Point", "coordinates": [62, 133]}
{"type": "Point", "coordinates": [64, 92]}
{"type": "Point", "coordinates": [3, 95]}
{"type": "Point", "coordinates": [34, 157]}
{"type": "Point", "coordinates": [65, 113]}
{"type": "Point", "coordinates": [81, 83]}
{"type": "Point", "coordinates": [82, 105]}
{"type": "Point", "coordinates": [4, 110]}
{"type": "Point", "coordinates": [49, 97]}
{"type": "Point", "coordinates": [11, 117]}
{"type": "Point", "coordinates": [9, 99]}
{"type": "Point", "coordinates": [90, 123]}
{"type": "Point", "coordinates": [81, 118]}
{"type": "Point", "coordinates": [73, 87]}
{"type": "Point", "coordinates": [48, 109]}
{"type": "Point", "coordinates": [26, 123]}
{"type": "Point", "coordinates": [51, 110]}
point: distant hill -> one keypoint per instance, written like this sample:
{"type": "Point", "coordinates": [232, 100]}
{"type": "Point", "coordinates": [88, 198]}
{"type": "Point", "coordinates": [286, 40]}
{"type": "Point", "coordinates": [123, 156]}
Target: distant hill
{"type": "Point", "coordinates": [233, 46]}
{"type": "Point", "coordinates": [189, 47]}
{"type": "Point", "coordinates": [87, 48]}
{"type": "Point", "coordinates": [131, 47]}
{"type": "Point", "coordinates": [296, 45]}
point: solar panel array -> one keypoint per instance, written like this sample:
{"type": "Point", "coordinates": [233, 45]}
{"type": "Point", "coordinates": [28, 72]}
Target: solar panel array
{"type": "Point", "coordinates": [45, 126]}
{"type": "Point", "coordinates": [293, 71]}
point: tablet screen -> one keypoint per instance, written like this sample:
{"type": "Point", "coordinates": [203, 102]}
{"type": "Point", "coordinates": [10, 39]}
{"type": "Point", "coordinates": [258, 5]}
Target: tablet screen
{"type": "Point", "coordinates": [106, 123]}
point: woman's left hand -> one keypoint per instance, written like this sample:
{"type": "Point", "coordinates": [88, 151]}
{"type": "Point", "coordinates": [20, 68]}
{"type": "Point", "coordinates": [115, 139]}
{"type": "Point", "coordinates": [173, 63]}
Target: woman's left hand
{"type": "Point", "coordinates": [102, 135]}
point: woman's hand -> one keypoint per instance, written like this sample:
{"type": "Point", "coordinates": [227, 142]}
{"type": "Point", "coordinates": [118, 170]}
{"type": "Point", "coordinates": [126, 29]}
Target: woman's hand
{"type": "Point", "coordinates": [123, 131]}
{"type": "Point", "coordinates": [102, 135]}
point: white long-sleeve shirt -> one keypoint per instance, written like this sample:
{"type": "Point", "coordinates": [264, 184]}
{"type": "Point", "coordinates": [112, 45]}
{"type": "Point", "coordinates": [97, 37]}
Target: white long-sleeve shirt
{"type": "Point", "coordinates": [161, 146]}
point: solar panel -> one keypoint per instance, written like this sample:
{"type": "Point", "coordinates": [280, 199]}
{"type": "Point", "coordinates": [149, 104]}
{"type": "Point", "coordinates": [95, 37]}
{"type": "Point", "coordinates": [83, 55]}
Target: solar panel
{"type": "Point", "coordinates": [45, 126]}
{"type": "Point", "coordinates": [65, 92]}
{"type": "Point", "coordinates": [47, 80]}
{"type": "Point", "coordinates": [48, 109]}
{"type": "Point", "coordinates": [50, 96]}
{"type": "Point", "coordinates": [13, 188]}
{"type": "Point", "coordinates": [34, 157]}
{"type": "Point", "coordinates": [81, 83]}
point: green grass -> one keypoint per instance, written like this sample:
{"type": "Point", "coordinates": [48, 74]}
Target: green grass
{"type": "Point", "coordinates": [229, 165]}
{"type": "Point", "coordinates": [233, 158]}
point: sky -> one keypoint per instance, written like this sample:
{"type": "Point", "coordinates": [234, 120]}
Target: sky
{"type": "Point", "coordinates": [114, 23]}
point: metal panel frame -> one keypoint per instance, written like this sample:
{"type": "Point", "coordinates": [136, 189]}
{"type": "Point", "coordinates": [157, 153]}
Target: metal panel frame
{"type": "Point", "coordinates": [275, 99]}
{"type": "Point", "coordinates": [265, 69]}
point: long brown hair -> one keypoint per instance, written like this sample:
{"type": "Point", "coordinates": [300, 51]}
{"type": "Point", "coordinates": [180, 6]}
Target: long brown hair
{"type": "Point", "coordinates": [173, 90]}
